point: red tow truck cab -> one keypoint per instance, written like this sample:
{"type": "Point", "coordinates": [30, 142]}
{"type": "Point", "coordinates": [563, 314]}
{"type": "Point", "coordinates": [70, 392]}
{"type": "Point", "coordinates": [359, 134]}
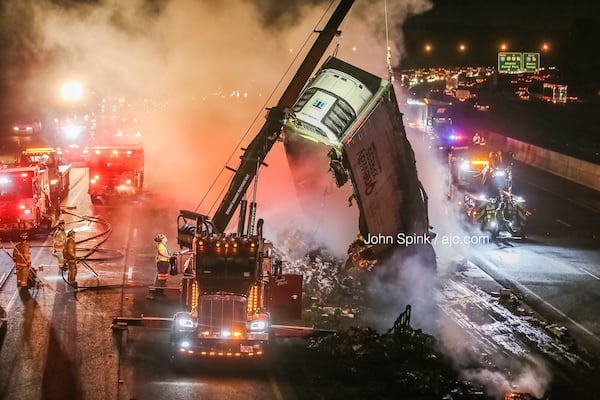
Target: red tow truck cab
{"type": "Point", "coordinates": [24, 199]}
{"type": "Point", "coordinates": [115, 171]}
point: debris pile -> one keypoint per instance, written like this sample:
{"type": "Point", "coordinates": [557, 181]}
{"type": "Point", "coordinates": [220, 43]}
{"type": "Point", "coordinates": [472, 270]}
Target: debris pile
{"type": "Point", "coordinates": [403, 363]}
{"type": "Point", "coordinates": [333, 295]}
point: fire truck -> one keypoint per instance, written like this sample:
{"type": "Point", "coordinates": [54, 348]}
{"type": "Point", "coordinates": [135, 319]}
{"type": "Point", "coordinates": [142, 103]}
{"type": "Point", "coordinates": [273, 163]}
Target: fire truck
{"type": "Point", "coordinates": [24, 199]}
{"type": "Point", "coordinates": [58, 171]}
{"type": "Point", "coordinates": [481, 182]}
{"type": "Point", "coordinates": [115, 171]}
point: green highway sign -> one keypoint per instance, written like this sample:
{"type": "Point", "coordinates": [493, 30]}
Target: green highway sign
{"type": "Point", "coordinates": [510, 62]}
{"type": "Point", "coordinates": [531, 62]}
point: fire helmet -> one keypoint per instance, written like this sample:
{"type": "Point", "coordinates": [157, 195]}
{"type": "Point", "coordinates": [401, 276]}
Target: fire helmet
{"type": "Point", "coordinates": [160, 237]}
{"type": "Point", "coordinates": [24, 236]}
{"type": "Point", "coordinates": [71, 232]}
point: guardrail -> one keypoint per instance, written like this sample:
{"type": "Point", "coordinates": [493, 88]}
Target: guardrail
{"type": "Point", "coordinates": [582, 172]}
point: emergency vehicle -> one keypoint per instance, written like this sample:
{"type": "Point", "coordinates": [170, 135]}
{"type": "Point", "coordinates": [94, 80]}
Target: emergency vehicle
{"type": "Point", "coordinates": [481, 181]}
{"type": "Point", "coordinates": [24, 199]}
{"type": "Point", "coordinates": [58, 171]}
{"type": "Point", "coordinates": [115, 171]}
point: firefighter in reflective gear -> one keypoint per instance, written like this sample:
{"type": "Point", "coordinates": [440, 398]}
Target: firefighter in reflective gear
{"type": "Point", "coordinates": [70, 255]}
{"type": "Point", "coordinates": [163, 256]}
{"type": "Point", "coordinates": [59, 239]}
{"type": "Point", "coordinates": [22, 257]}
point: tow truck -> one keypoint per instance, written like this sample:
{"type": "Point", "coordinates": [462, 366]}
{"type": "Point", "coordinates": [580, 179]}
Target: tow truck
{"type": "Point", "coordinates": [24, 199]}
{"type": "Point", "coordinates": [481, 181]}
{"type": "Point", "coordinates": [115, 171]}
{"type": "Point", "coordinates": [233, 294]}
{"type": "Point", "coordinates": [58, 171]}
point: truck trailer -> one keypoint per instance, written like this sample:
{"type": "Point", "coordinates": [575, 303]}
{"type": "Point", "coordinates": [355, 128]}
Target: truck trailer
{"type": "Point", "coordinates": [353, 116]}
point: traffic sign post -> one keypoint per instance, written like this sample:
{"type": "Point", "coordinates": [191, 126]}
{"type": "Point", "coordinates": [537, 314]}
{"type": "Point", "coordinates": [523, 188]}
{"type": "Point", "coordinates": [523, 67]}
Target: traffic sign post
{"type": "Point", "coordinates": [531, 62]}
{"type": "Point", "coordinates": [510, 62]}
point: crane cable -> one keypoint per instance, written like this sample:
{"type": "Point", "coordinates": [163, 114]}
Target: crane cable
{"type": "Point", "coordinates": [387, 44]}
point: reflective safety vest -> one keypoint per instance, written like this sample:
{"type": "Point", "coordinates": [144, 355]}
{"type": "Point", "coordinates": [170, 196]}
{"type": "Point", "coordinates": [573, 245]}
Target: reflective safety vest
{"type": "Point", "coordinates": [59, 239]}
{"type": "Point", "coordinates": [162, 252]}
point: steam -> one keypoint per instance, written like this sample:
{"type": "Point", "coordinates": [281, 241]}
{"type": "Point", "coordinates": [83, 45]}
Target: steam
{"type": "Point", "coordinates": [528, 376]}
{"type": "Point", "coordinates": [200, 79]}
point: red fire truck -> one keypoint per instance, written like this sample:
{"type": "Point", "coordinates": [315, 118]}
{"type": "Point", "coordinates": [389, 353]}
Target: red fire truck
{"type": "Point", "coordinates": [24, 199]}
{"type": "Point", "coordinates": [115, 171]}
{"type": "Point", "coordinates": [58, 171]}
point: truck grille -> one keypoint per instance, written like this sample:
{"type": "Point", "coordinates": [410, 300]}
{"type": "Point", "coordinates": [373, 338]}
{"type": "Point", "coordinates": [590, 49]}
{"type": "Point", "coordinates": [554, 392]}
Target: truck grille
{"type": "Point", "coordinates": [222, 316]}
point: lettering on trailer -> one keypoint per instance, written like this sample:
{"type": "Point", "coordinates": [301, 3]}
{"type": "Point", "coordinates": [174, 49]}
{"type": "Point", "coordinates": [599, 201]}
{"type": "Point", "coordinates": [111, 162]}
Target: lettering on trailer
{"type": "Point", "coordinates": [370, 167]}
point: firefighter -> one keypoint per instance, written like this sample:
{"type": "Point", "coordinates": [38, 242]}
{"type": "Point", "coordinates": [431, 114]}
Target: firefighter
{"type": "Point", "coordinates": [22, 257]}
{"type": "Point", "coordinates": [70, 256]}
{"type": "Point", "coordinates": [59, 238]}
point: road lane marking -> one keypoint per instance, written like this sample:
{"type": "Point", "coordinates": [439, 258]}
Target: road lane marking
{"type": "Point", "coordinates": [560, 221]}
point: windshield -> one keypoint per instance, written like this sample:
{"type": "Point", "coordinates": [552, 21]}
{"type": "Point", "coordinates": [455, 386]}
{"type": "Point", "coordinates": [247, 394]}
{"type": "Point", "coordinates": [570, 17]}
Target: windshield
{"type": "Point", "coordinates": [15, 185]}
{"type": "Point", "coordinates": [117, 160]}
{"type": "Point", "coordinates": [228, 266]}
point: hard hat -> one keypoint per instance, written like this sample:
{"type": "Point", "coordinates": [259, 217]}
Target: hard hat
{"type": "Point", "coordinates": [160, 237]}
{"type": "Point", "coordinates": [24, 236]}
{"type": "Point", "coordinates": [71, 232]}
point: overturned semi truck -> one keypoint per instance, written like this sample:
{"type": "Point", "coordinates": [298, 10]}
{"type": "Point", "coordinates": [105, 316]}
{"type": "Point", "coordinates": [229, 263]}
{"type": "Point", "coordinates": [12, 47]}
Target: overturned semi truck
{"type": "Point", "coordinates": [350, 119]}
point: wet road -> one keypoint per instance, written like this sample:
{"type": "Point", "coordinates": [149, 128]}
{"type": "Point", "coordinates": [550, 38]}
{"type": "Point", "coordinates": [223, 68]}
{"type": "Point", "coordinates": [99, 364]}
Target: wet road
{"type": "Point", "coordinates": [59, 344]}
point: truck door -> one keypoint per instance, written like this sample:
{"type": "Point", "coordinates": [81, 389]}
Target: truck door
{"type": "Point", "coordinates": [285, 297]}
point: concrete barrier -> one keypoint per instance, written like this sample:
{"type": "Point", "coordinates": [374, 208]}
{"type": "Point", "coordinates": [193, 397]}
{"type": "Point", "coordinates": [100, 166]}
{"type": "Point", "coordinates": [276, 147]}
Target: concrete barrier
{"type": "Point", "coordinates": [583, 172]}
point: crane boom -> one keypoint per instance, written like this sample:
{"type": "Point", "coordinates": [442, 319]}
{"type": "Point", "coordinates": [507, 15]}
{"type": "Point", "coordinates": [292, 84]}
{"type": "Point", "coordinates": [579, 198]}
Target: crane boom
{"type": "Point", "coordinates": [254, 155]}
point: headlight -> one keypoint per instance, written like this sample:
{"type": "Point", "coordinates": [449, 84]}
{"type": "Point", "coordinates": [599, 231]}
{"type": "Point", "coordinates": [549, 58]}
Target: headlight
{"type": "Point", "coordinates": [259, 325]}
{"type": "Point", "coordinates": [185, 321]}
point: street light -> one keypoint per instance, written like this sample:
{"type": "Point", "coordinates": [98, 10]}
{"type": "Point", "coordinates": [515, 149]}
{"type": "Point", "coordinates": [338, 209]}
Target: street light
{"type": "Point", "coordinates": [428, 48]}
{"type": "Point", "coordinates": [545, 46]}
{"type": "Point", "coordinates": [71, 91]}
{"type": "Point", "coordinates": [503, 46]}
{"type": "Point", "coordinates": [462, 47]}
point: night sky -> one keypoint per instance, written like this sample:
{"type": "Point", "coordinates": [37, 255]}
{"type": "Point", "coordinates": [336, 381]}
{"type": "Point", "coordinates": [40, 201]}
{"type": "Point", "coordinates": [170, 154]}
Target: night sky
{"type": "Point", "coordinates": [570, 28]}
{"type": "Point", "coordinates": [41, 39]}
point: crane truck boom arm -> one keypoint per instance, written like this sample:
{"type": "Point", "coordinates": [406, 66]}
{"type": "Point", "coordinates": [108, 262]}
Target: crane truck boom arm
{"type": "Point", "coordinates": [256, 152]}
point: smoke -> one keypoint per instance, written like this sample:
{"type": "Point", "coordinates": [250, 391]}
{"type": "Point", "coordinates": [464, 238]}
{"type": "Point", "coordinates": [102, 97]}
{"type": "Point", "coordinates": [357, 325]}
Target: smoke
{"type": "Point", "coordinates": [533, 378]}
{"type": "Point", "coordinates": [528, 376]}
{"type": "Point", "coordinates": [199, 77]}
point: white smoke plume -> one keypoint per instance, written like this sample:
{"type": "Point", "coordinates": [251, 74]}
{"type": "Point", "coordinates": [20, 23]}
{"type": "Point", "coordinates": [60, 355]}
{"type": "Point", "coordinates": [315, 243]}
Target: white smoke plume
{"type": "Point", "coordinates": [210, 75]}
